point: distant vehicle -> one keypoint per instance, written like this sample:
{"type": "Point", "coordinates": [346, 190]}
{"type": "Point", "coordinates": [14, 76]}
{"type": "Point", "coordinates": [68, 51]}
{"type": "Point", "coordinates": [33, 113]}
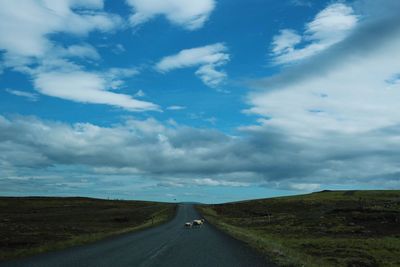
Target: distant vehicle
{"type": "Point", "coordinates": [188, 224]}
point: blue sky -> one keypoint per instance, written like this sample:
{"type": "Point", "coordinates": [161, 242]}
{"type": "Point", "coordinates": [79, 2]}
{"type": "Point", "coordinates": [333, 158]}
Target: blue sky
{"type": "Point", "coordinates": [212, 100]}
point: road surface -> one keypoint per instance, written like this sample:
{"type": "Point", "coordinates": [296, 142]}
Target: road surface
{"type": "Point", "coordinates": [167, 245]}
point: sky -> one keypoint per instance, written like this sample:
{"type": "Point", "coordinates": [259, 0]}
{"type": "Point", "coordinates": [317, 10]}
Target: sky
{"type": "Point", "coordinates": [202, 100]}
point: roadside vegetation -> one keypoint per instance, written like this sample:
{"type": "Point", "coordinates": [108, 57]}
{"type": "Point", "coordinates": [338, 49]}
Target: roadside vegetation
{"type": "Point", "coordinates": [34, 225]}
{"type": "Point", "coordinates": [329, 228]}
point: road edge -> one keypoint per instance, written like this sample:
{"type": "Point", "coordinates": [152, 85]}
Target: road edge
{"type": "Point", "coordinates": [274, 253]}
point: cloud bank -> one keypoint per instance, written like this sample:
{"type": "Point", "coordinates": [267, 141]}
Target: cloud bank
{"type": "Point", "coordinates": [159, 152]}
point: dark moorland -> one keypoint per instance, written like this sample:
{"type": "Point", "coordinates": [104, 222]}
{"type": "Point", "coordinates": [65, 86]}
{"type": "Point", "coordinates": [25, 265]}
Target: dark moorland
{"type": "Point", "coordinates": [329, 228]}
{"type": "Point", "coordinates": [36, 224]}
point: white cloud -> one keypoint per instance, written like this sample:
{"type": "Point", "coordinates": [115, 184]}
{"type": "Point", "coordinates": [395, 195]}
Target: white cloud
{"type": "Point", "coordinates": [330, 26]}
{"type": "Point", "coordinates": [188, 14]}
{"type": "Point", "coordinates": [119, 49]}
{"type": "Point", "coordinates": [212, 182]}
{"type": "Point", "coordinates": [27, 95]}
{"type": "Point", "coordinates": [304, 187]}
{"type": "Point", "coordinates": [94, 4]}
{"type": "Point", "coordinates": [303, 3]}
{"type": "Point", "coordinates": [140, 93]}
{"type": "Point", "coordinates": [176, 108]}
{"type": "Point", "coordinates": [86, 87]}
{"type": "Point", "coordinates": [63, 79]}
{"type": "Point", "coordinates": [210, 76]}
{"type": "Point", "coordinates": [26, 24]}
{"type": "Point", "coordinates": [340, 108]}
{"type": "Point", "coordinates": [115, 77]}
{"type": "Point", "coordinates": [205, 55]}
{"type": "Point", "coordinates": [285, 42]}
{"type": "Point", "coordinates": [82, 51]}
{"type": "Point", "coordinates": [170, 184]}
{"type": "Point", "coordinates": [24, 36]}
{"type": "Point", "coordinates": [123, 72]}
{"type": "Point", "coordinates": [113, 170]}
{"type": "Point", "coordinates": [206, 58]}
{"type": "Point", "coordinates": [350, 95]}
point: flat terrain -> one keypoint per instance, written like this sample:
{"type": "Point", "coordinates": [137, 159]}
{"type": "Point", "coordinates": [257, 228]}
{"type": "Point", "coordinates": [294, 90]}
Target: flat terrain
{"type": "Point", "coordinates": [169, 244]}
{"type": "Point", "coordinates": [34, 225]}
{"type": "Point", "coordinates": [333, 228]}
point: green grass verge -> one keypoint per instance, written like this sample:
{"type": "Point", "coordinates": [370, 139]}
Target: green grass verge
{"type": "Point", "coordinates": [340, 228]}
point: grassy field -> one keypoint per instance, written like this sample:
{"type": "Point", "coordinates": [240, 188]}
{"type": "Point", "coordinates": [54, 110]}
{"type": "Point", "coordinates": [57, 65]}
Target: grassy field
{"type": "Point", "coordinates": [34, 225]}
{"type": "Point", "coordinates": [330, 228]}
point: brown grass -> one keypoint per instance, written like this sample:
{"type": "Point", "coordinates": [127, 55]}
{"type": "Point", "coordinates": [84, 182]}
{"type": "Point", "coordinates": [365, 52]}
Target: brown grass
{"type": "Point", "coordinates": [35, 225]}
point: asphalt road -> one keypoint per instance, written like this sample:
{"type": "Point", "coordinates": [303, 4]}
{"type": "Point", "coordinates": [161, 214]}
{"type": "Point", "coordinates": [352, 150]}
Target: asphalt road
{"type": "Point", "coordinates": [167, 245]}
